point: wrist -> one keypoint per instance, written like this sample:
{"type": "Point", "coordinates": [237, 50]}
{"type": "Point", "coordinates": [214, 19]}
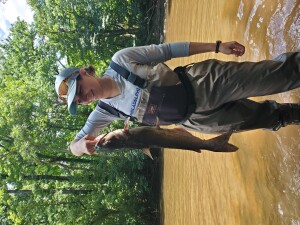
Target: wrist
{"type": "Point", "coordinates": [218, 45]}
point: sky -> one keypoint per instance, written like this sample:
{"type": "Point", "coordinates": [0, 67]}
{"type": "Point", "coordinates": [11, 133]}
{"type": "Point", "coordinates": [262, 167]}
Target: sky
{"type": "Point", "coordinates": [10, 11]}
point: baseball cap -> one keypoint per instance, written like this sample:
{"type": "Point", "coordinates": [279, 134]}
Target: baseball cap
{"type": "Point", "coordinates": [65, 87]}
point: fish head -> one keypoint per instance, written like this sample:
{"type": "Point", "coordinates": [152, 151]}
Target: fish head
{"type": "Point", "coordinates": [112, 140]}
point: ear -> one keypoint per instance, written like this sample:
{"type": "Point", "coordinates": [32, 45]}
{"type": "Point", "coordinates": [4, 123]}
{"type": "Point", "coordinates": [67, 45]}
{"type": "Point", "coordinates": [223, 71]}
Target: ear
{"type": "Point", "coordinates": [83, 72]}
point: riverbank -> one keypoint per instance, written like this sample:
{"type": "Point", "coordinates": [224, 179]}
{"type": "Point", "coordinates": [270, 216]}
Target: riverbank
{"type": "Point", "coordinates": [152, 22]}
{"type": "Point", "coordinates": [152, 32]}
{"type": "Point", "coordinates": [154, 170]}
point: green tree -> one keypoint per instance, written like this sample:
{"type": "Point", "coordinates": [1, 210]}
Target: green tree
{"type": "Point", "coordinates": [88, 31]}
{"type": "Point", "coordinates": [41, 182]}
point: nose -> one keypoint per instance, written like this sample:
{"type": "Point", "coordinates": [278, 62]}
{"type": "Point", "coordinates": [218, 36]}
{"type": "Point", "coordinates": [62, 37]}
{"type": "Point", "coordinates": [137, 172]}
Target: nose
{"type": "Point", "coordinates": [82, 100]}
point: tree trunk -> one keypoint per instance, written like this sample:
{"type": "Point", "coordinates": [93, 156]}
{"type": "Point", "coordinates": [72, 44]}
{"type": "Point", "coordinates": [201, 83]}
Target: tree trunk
{"type": "Point", "coordinates": [64, 191]}
{"type": "Point", "coordinates": [42, 177]}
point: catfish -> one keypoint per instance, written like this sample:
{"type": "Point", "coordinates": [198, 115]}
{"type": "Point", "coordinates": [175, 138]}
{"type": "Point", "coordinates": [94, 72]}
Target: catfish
{"type": "Point", "coordinates": [146, 137]}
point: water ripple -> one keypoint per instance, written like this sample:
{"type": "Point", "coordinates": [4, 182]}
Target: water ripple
{"type": "Point", "coordinates": [252, 14]}
{"type": "Point", "coordinates": [240, 12]}
{"type": "Point", "coordinates": [276, 31]}
{"type": "Point", "coordinates": [294, 31]}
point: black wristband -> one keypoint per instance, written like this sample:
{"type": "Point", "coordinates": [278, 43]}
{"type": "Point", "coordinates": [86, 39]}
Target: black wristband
{"type": "Point", "coordinates": [218, 43]}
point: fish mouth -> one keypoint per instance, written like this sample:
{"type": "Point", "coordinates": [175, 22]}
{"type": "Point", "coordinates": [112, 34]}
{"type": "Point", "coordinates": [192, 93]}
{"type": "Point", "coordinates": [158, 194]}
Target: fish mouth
{"type": "Point", "coordinates": [101, 143]}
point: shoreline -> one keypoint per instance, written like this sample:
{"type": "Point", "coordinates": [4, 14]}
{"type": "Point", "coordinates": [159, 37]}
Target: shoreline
{"type": "Point", "coordinates": [153, 32]}
{"type": "Point", "coordinates": [153, 26]}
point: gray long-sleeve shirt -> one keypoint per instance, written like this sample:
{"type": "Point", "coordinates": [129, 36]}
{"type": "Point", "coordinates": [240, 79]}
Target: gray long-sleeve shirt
{"type": "Point", "coordinates": [146, 62]}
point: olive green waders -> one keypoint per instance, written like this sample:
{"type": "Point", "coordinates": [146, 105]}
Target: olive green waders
{"type": "Point", "coordinates": [222, 88]}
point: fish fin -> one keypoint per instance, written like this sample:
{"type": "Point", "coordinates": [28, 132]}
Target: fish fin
{"type": "Point", "coordinates": [157, 122]}
{"type": "Point", "coordinates": [126, 124]}
{"type": "Point", "coordinates": [221, 144]}
{"type": "Point", "coordinates": [147, 152]}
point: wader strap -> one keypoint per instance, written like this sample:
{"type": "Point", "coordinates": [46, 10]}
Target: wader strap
{"type": "Point", "coordinates": [136, 80]}
{"type": "Point", "coordinates": [191, 103]}
{"type": "Point", "coordinates": [114, 111]}
{"type": "Point", "coordinates": [132, 78]}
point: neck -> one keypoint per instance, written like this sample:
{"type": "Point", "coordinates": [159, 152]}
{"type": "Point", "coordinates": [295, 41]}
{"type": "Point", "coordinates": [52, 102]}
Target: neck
{"type": "Point", "coordinates": [110, 87]}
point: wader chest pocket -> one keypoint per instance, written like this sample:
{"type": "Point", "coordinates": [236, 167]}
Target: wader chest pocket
{"type": "Point", "coordinates": [168, 103]}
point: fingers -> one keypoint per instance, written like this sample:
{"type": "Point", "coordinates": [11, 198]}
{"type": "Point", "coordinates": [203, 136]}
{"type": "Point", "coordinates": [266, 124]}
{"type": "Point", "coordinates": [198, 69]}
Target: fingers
{"type": "Point", "coordinates": [89, 137]}
{"type": "Point", "coordinates": [90, 151]}
{"type": "Point", "coordinates": [101, 136]}
{"type": "Point", "coordinates": [232, 47]}
{"type": "Point", "coordinates": [100, 139]}
{"type": "Point", "coordinates": [238, 49]}
{"type": "Point", "coordinates": [90, 143]}
{"type": "Point", "coordinates": [90, 147]}
{"type": "Point", "coordinates": [90, 140]}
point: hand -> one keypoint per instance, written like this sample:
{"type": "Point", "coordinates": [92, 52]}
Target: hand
{"type": "Point", "coordinates": [232, 47]}
{"type": "Point", "coordinates": [85, 145]}
{"type": "Point", "coordinates": [90, 143]}
{"type": "Point", "coordinates": [100, 139]}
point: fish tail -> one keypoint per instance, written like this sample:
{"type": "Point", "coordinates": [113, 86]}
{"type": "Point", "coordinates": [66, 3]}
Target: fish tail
{"type": "Point", "coordinates": [220, 143]}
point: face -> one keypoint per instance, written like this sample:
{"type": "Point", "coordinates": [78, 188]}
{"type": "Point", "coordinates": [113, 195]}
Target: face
{"type": "Point", "coordinates": [88, 89]}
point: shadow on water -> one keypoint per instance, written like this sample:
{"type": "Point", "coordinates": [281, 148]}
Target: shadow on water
{"type": "Point", "coordinates": [169, 6]}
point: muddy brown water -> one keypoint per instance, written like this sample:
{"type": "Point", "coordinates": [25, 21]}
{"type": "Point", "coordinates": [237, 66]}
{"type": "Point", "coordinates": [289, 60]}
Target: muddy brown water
{"type": "Point", "coordinates": [259, 184]}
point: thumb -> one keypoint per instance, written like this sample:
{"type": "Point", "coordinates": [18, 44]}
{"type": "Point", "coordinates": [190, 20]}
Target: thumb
{"type": "Point", "coordinates": [91, 140]}
{"type": "Point", "coordinates": [89, 137]}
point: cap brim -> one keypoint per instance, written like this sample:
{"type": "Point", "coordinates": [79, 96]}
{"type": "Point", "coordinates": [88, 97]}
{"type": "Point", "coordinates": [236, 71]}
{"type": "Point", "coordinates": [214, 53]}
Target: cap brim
{"type": "Point", "coordinates": [72, 107]}
{"type": "Point", "coordinates": [64, 74]}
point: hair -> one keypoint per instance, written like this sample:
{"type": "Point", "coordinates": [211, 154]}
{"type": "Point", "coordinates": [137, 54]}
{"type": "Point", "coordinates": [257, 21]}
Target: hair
{"type": "Point", "coordinates": [91, 70]}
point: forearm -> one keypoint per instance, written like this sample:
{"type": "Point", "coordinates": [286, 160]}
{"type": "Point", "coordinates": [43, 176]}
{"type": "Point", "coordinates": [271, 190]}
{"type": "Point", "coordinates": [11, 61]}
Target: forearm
{"type": "Point", "coordinates": [199, 47]}
{"type": "Point", "coordinates": [227, 48]}
{"type": "Point", "coordinates": [150, 54]}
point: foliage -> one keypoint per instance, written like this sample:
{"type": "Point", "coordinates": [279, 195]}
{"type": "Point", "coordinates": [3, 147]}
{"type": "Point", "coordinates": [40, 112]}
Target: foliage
{"type": "Point", "coordinates": [40, 181]}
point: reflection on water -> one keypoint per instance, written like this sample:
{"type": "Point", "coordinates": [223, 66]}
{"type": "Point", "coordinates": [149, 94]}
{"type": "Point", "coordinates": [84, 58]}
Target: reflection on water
{"type": "Point", "coordinates": [279, 25]}
{"type": "Point", "coordinates": [260, 184]}
{"type": "Point", "coordinates": [273, 21]}
{"type": "Point", "coordinates": [257, 4]}
{"type": "Point", "coordinates": [240, 12]}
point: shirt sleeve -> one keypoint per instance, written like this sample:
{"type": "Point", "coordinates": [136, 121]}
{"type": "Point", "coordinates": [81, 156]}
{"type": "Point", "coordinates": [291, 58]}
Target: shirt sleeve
{"type": "Point", "coordinates": [97, 120]}
{"type": "Point", "coordinates": [151, 54]}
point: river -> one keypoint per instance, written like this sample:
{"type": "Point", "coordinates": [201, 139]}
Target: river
{"type": "Point", "coordinates": [260, 183]}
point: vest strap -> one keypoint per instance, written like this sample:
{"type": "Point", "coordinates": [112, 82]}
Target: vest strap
{"type": "Point", "coordinates": [132, 78]}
